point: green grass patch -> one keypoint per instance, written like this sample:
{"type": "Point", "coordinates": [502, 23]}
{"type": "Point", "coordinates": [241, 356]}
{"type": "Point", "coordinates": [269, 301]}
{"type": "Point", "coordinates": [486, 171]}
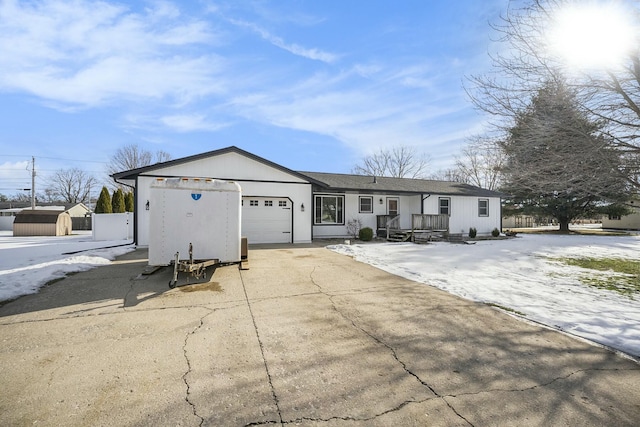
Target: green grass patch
{"type": "Point", "coordinates": [623, 274]}
{"type": "Point", "coordinates": [502, 307]}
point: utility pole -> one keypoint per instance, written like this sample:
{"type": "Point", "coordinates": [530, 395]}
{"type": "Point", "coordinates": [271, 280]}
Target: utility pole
{"type": "Point", "coordinates": [33, 182]}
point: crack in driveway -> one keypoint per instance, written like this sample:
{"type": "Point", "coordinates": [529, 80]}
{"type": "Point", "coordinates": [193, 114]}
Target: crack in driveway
{"type": "Point", "coordinates": [264, 359]}
{"type": "Point", "coordinates": [189, 367]}
{"type": "Point", "coordinates": [393, 353]}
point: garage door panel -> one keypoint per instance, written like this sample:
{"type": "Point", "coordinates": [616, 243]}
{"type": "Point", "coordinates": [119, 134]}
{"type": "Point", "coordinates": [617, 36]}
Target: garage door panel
{"type": "Point", "coordinates": [266, 219]}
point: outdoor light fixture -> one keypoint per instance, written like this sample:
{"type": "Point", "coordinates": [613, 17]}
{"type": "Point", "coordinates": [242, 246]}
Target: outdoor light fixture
{"type": "Point", "coordinates": [302, 207]}
{"type": "Point", "coordinates": [146, 206]}
{"type": "Point", "coordinates": [380, 200]}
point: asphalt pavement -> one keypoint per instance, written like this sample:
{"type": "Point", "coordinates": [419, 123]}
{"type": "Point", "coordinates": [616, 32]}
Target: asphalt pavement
{"type": "Point", "coordinates": [304, 337]}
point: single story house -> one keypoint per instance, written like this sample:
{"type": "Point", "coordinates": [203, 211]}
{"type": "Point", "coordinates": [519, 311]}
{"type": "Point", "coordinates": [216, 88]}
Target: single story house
{"type": "Point", "coordinates": [41, 222]}
{"type": "Point", "coordinates": [280, 205]}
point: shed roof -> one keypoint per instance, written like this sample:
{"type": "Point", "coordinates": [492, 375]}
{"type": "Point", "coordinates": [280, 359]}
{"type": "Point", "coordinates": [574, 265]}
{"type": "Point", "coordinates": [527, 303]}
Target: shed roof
{"type": "Point", "coordinates": [345, 182]}
{"type": "Point", "coordinates": [38, 216]}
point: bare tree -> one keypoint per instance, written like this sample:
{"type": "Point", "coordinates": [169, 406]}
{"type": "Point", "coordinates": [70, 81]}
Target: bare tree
{"type": "Point", "coordinates": [527, 60]}
{"type": "Point", "coordinates": [71, 185]}
{"type": "Point", "coordinates": [132, 156]}
{"type": "Point", "coordinates": [398, 162]}
{"type": "Point", "coordinates": [450, 174]}
{"type": "Point", "coordinates": [480, 163]}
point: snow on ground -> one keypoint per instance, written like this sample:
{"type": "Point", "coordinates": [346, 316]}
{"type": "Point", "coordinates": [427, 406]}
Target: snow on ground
{"type": "Point", "coordinates": [519, 274]}
{"type": "Point", "coordinates": [28, 263]}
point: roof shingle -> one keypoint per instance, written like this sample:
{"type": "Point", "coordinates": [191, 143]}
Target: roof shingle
{"type": "Point", "coordinates": [334, 181]}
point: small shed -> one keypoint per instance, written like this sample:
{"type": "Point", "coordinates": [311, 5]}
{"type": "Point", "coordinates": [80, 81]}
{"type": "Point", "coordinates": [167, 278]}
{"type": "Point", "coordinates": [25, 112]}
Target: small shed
{"type": "Point", "coordinates": [40, 222]}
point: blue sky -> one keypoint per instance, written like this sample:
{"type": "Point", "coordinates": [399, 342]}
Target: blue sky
{"type": "Point", "coordinates": [311, 85]}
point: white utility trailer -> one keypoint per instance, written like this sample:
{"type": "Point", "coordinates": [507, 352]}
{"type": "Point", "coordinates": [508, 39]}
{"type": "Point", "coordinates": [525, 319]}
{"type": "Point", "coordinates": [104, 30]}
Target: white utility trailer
{"type": "Point", "coordinates": [198, 216]}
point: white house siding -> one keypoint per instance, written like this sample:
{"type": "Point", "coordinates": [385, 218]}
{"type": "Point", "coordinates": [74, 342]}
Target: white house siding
{"type": "Point", "coordinates": [255, 179]}
{"type": "Point", "coordinates": [407, 205]}
{"type": "Point", "coordinates": [464, 213]}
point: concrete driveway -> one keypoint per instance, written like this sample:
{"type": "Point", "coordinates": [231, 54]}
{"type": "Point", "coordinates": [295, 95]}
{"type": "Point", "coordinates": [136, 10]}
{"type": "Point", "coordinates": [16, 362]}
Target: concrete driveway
{"type": "Point", "coordinates": [305, 337]}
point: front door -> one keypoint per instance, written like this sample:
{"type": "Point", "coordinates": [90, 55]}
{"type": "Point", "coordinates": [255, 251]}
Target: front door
{"type": "Point", "coordinates": [392, 207]}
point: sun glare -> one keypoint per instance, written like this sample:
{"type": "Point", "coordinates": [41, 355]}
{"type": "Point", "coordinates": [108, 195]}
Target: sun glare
{"type": "Point", "coordinates": [592, 35]}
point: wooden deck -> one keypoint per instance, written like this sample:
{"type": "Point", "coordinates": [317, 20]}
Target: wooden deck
{"type": "Point", "coordinates": [424, 227]}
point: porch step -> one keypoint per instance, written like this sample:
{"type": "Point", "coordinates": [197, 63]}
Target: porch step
{"type": "Point", "coordinates": [422, 237]}
{"type": "Point", "coordinates": [399, 236]}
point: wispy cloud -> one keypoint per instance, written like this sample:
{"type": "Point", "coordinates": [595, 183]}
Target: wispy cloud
{"type": "Point", "coordinates": [367, 112]}
{"type": "Point", "coordinates": [310, 53]}
{"type": "Point", "coordinates": [191, 123]}
{"type": "Point", "coordinates": [181, 123]}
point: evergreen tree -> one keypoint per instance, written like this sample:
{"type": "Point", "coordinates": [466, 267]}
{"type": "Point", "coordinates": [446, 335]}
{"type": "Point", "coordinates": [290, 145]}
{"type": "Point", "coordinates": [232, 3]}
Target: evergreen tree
{"type": "Point", "coordinates": [558, 163]}
{"type": "Point", "coordinates": [103, 205]}
{"type": "Point", "coordinates": [117, 201]}
{"type": "Point", "coordinates": [128, 201]}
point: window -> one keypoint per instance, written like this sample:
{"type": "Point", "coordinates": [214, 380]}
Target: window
{"type": "Point", "coordinates": [483, 207]}
{"type": "Point", "coordinates": [444, 206]}
{"type": "Point", "coordinates": [253, 203]}
{"type": "Point", "coordinates": [268, 202]}
{"type": "Point", "coordinates": [366, 204]}
{"type": "Point", "coordinates": [282, 203]}
{"type": "Point", "coordinates": [329, 209]}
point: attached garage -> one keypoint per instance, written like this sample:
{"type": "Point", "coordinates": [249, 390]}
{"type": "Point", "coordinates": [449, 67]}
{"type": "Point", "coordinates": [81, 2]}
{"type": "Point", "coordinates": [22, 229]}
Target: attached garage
{"type": "Point", "coordinates": [276, 201]}
{"type": "Point", "coordinates": [267, 219]}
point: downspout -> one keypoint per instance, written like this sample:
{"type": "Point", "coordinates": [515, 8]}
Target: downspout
{"type": "Point", "coordinates": [422, 204]}
{"type": "Point", "coordinates": [501, 214]}
{"type": "Point", "coordinates": [135, 208]}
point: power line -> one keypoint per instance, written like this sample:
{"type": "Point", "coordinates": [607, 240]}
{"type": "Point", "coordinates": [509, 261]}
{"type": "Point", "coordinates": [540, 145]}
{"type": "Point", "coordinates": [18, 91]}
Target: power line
{"type": "Point", "coordinates": [55, 158]}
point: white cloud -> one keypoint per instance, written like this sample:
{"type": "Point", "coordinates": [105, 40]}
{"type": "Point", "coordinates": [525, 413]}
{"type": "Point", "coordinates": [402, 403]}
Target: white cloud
{"type": "Point", "coordinates": [9, 169]}
{"type": "Point", "coordinates": [89, 53]}
{"type": "Point", "coordinates": [181, 123]}
{"type": "Point", "coordinates": [14, 176]}
{"type": "Point", "coordinates": [191, 122]}
{"type": "Point", "coordinates": [366, 108]}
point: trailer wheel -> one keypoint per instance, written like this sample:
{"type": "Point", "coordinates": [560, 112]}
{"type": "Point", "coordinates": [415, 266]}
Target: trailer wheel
{"type": "Point", "coordinates": [172, 284]}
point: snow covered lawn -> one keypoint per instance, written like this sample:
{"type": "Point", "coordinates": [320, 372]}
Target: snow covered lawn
{"type": "Point", "coordinates": [28, 263]}
{"type": "Point", "coordinates": [523, 274]}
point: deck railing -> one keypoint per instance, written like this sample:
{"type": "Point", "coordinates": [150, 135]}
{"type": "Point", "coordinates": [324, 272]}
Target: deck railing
{"type": "Point", "coordinates": [419, 223]}
{"type": "Point", "coordinates": [439, 222]}
{"type": "Point", "coordinates": [393, 224]}
{"type": "Point", "coordinates": [388, 223]}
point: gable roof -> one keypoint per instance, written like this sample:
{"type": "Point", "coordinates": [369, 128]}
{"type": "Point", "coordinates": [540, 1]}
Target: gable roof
{"type": "Point", "coordinates": [131, 174]}
{"type": "Point", "coordinates": [344, 182]}
{"type": "Point", "coordinates": [333, 181]}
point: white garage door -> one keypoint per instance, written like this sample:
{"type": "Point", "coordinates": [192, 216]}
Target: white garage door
{"type": "Point", "coordinates": [266, 219]}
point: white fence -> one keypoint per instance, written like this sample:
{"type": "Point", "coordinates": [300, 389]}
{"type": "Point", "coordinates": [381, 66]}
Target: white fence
{"type": "Point", "coordinates": [118, 226]}
{"type": "Point", "coordinates": [6, 223]}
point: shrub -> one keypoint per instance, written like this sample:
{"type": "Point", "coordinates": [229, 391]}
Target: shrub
{"type": "Point", "coordinates": [117, 201]}
{"type": "Point", "coordinates": [473, 232]}
{"type": "Point", "coordinates": [495, 232]}
{"type": "Point", "coordinates": [353, 227]}
{"type": "Point", "coordinates": [104, 202]}
{"type": "Point", "coordinates": [128, 202]}
{"type": "Point", "coordinates": [365, 234]}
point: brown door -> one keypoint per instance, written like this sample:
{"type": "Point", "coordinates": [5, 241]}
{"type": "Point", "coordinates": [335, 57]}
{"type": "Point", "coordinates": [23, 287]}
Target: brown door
{"type": "Point", "coordinates": [392, 207]}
